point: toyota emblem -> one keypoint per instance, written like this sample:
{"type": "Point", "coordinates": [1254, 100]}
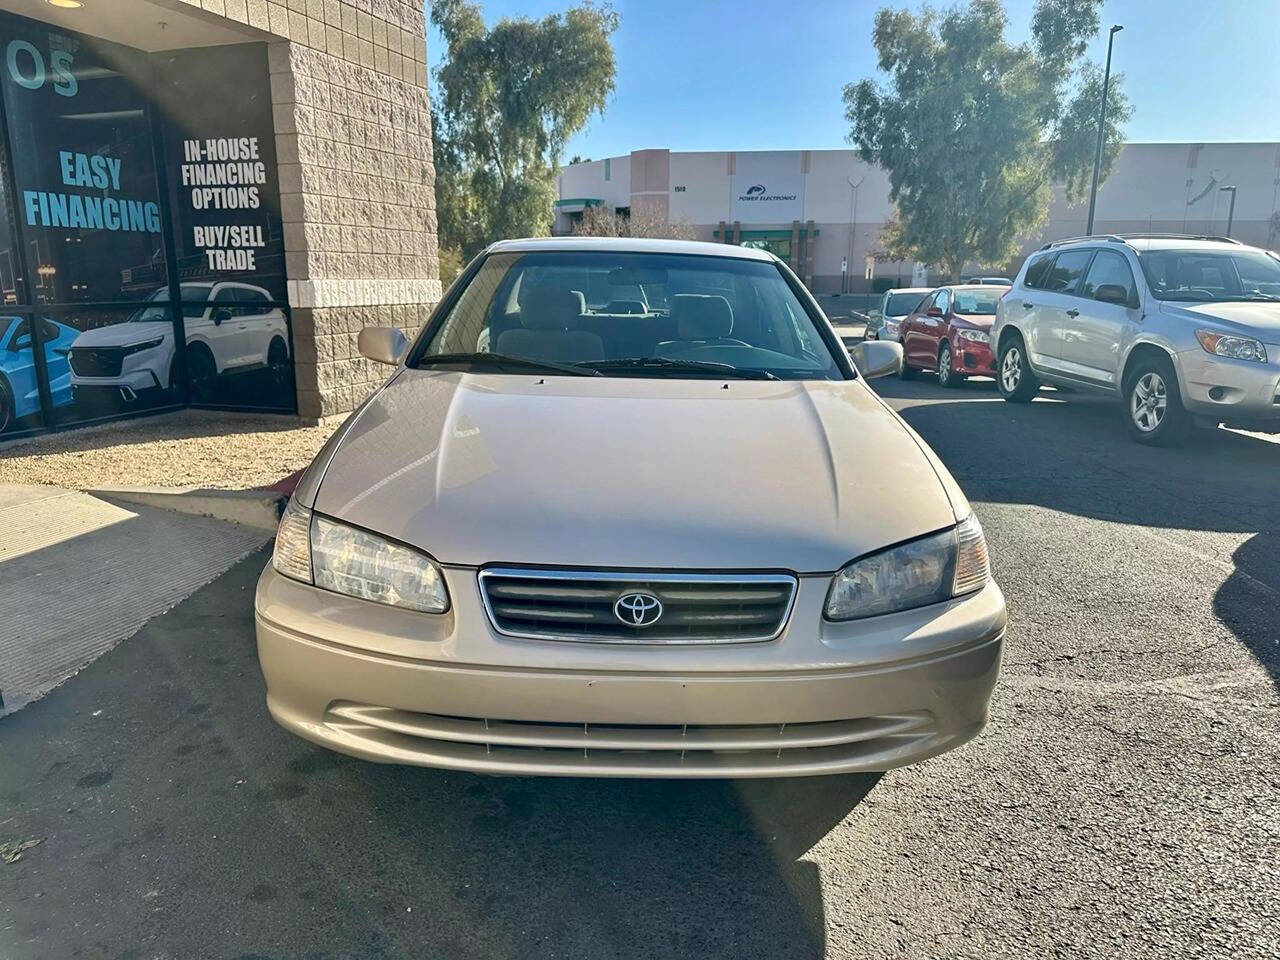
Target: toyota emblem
{"type": "Point", "coordinates": [638, 609]}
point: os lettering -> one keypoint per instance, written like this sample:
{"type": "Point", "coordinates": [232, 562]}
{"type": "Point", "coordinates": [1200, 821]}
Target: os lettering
{"type": "Point", "coordinates": [27, 68]}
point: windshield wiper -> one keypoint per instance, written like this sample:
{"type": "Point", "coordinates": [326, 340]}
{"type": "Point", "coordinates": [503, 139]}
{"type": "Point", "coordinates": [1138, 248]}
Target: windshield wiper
{"type": "Point", "coordinates": [1256, 296]}
{"type": "Point", "coordinates": [503, 360]}
{"type": "Point", "coordinates": [666, 363]}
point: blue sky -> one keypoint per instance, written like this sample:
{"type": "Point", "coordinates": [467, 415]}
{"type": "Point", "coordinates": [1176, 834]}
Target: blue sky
{"type": "Point", "coordinates": [754, 75]}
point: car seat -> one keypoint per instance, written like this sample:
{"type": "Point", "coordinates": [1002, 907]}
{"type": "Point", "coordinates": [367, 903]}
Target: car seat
{"type": "Point", "coordinates": [548, 317]}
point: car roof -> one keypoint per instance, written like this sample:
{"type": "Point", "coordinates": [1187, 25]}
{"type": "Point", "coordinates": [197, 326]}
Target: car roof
{"type": "Point", "coordinates": [630, 245]}
{"type": "Point", "coordinates": [1141, 242]}
{"type": "Point", "coordinates": [911, 290]}
{"type": "Point", "coordinates": [980, 287]}
{"type": "Point", "coordinates": [1182, 243]}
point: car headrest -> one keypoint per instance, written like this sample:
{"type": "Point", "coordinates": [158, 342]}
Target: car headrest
{"type": "Point", "coordinates": [701, 317]}
{"type": "Point", "coordinates": [550, 308]}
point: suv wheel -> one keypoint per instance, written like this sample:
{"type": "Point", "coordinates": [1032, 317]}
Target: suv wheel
{"type": "Point", "coordinates": [946, 376]}
{"type": "Point", "coordinates": [1013, 374]}
{"type": "Point", "coordinates": [1152, 404]}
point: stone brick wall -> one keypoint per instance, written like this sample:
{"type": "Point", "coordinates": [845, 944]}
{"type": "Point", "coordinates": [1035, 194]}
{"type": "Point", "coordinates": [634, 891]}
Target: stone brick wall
{"type": "Point", "coordinates": [353, 143]}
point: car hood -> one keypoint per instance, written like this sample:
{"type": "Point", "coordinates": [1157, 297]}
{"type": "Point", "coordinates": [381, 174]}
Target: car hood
{"type": "Point", "coordinates": [123, 334]}
{"type": "Point", "coordinates": [620, 472]}
{"type": "Point", "coordinates": [1260, 320]}
{"type": "Point", "coordinates": [976, 321]}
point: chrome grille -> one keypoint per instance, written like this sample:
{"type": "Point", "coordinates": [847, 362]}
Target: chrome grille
{"type": "Point", "coordinates": [579, 605]}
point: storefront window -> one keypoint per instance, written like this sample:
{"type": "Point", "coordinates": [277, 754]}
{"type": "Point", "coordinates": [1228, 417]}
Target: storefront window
{"type": "Point", "coordinates": [84, 167]}
{"type": "Point", "coordinates": [85, 220]}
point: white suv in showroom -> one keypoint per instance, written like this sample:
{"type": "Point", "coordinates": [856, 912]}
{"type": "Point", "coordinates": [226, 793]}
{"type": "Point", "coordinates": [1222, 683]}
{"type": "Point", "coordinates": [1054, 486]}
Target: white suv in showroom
{"type": "Point", "coordinates": [1184, 330]}
{"type": "Point", "coordinates": [230, 327]}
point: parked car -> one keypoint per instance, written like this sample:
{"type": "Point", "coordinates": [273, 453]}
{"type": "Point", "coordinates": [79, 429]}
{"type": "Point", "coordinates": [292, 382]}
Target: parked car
{"type": "Point", "coordinates": [230, 327]}
{"type": "Point", "coordinates": [851, 327]}
{"type": "Point", "coordinates": [949, 333]}
{"type": "Point", "coordinates": [894, 305]}
{"type": "Point", "coordinates": [1185, 330]}
{"type": "Point", "coordinates": [19, 395]}
{"type": "Point", "coordinates": [689, 543]}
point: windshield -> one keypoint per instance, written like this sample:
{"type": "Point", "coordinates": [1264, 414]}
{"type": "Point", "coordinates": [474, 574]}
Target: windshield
{"type": "Point", "coordinates": [198, 292]}
{"type": "Point", "coordinates": [900, 304]}
{"type": "Point", "coordinates": [631, 315]}
{"type": "Point", "coordinates": [1211, 274]}
{"type": "Point", "coordinates": [976, 303]}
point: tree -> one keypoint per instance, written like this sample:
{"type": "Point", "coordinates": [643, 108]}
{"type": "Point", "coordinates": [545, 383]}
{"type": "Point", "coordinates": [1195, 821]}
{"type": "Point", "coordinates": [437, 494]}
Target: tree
{"type": "Point", "coordinates": [507, 100]}
{"type": "Point", "coordinates": [974, 130]}
{"type": "Point", "coordinates": [600, 222]}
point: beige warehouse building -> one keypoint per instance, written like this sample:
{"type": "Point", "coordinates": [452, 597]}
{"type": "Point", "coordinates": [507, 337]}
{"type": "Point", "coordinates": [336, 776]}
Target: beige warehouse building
{"type": "Point", "coordinates": [821, 209]}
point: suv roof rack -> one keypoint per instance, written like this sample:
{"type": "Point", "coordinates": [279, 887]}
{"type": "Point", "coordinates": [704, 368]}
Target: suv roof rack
{"type": "Point", "coordinates": [1179, 236]}
{"type": "Point", "coordinates": [1106, 237]}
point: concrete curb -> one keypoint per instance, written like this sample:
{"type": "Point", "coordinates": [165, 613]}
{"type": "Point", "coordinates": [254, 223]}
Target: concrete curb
{"type": "Point", "coordinates": [251, 508]}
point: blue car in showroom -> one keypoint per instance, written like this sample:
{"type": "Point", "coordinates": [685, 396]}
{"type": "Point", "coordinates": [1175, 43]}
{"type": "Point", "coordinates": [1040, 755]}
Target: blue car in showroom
{"type": "Point", "coordinates": [19, 395]}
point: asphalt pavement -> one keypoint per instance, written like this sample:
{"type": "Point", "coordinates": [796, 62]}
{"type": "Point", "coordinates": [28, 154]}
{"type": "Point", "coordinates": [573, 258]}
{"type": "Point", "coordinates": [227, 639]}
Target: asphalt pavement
{"type": "Point", "coordinates": [1122, 802]}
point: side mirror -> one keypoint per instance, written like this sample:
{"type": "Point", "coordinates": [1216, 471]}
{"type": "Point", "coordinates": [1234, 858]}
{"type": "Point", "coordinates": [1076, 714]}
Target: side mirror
{"type": "Point", "coordinates": [221, 314]}
{"type": "Point", "coordinates": [934, 312]}
{"type": "Point", "coordinates": [877, 358]}
{"type": "Point", "coordinates": [22, 343]}
{"type": "Point", "coordinates": [383, 344]}
{"type": "Point", "coordinates": [1112, 293]}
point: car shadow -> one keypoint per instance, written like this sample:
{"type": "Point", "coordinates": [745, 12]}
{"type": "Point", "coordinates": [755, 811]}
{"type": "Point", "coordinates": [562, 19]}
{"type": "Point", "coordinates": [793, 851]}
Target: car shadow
{"type": "Point", "coordinates": [1071, 452]}
{"type": "Point", "coordinates": [627, 868]}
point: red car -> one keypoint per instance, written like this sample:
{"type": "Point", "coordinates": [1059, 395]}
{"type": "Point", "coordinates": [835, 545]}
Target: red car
{"type": "Point", "coordinates": [950, 333]}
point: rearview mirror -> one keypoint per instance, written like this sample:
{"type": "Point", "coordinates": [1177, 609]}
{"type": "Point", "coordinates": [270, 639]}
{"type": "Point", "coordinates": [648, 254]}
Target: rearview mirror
{"type": "Point", "coordinates": [382, 344]}
{"type": "Point", "coordinates": [876, 358]}
{"type": "Point", "coordinates": [1112, 293]}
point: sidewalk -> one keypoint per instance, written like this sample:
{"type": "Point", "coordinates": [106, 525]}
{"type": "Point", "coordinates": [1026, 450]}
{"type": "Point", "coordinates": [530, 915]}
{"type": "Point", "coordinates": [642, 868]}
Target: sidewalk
{"type": "Point", "coordinates": [78, 574]}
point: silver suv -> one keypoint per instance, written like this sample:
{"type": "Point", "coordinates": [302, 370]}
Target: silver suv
{"type": "Point", "coordinates": [1184, 330]}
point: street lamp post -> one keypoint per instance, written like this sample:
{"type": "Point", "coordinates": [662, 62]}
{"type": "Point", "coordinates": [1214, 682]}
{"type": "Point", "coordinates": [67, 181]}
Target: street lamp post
{"type": "Point", "coordinates": [1231, 210]}
{"type": "Point", "coordinates": [853, 219]}
{"type": "Point", "coordinates": [1102, 123]}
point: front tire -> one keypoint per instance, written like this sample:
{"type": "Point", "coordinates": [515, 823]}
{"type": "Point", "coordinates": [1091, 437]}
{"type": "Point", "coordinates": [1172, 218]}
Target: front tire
{"type": "Point", "coordinates": [947, 377]}
{"type": "Point", "coordinates": [7, 407]}
{"type": "Point", "coordinates": [1017, 382]}
{"type": "Point", "coordinates": [906, 371]}
{"type": "Point", "coordinates": [202, 372]}
{"type": "Point", "coordinates": [1153, 410]}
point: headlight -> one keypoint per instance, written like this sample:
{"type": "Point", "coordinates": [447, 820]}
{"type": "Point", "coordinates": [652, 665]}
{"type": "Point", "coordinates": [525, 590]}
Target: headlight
{"type": "Point", "coordinates": [929, 570]}
{"type": "Point", "coordinates": [977, 336]}
{"type": "Point", "coordinates": [1238, 348]}
{"type": "Point", "coordinates": [139, 347]}
{"type": "Point", "coordinates": [334, 556]}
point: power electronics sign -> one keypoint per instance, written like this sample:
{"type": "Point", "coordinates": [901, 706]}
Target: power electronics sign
{"type": "Point", "coordinates": [767, 188]}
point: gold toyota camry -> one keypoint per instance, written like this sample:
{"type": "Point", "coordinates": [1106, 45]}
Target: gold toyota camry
{"type": "Point", "coordinates": [628, 508]}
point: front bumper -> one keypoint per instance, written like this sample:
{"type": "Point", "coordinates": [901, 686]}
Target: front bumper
{"type": "Point", "coordinates": [393, 686]}
{"type": "Point", "coordinates": [1238, 392]}
{"type": "Point", "coordinates": [971, 358]}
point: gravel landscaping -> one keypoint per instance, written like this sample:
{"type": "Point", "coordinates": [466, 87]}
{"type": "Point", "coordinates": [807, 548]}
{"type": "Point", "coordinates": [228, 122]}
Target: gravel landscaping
{"type": "Point", "coordinates": [191, 448]}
